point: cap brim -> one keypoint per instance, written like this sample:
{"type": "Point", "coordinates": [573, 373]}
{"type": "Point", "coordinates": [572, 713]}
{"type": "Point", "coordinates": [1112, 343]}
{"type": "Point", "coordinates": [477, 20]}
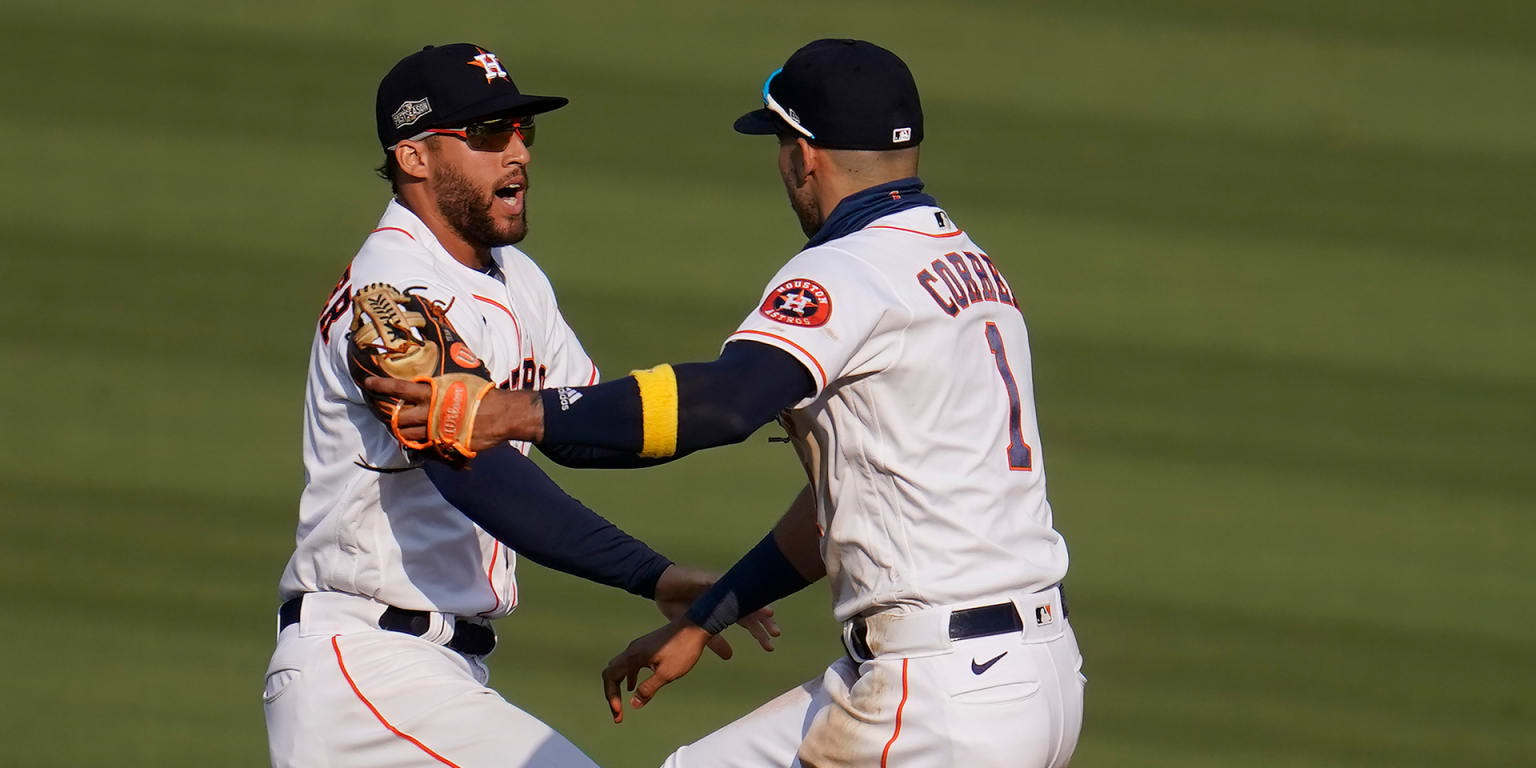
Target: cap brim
{"type": "Point", "coordinates": [507, 105]}
{"type": "Point", "coordinates": [761, 122]}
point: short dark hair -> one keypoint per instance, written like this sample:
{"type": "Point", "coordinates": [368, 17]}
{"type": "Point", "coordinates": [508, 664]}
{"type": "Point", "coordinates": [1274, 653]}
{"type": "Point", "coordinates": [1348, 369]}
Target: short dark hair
{"type": "Point", "coordinates": [390, 172]}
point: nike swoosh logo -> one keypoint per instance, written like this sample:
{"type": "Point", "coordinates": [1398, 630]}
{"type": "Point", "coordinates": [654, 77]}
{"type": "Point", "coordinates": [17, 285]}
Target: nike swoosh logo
{"type": "Point", "coordinates": [977, 669]}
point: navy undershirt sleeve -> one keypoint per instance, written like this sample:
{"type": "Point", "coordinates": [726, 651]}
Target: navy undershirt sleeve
{"type": "Point", "coordinates": [719, 402]}
{"type": "Point", "coordinates": [506, 494]}
{"type": "Point", "coordinates": [726, 401]}
{"type": "Point", "coordinates": [592, 457]}
{"type": "Point", "coordinates": [605, 415]}
{"type": "Point", "coordinates": [760, 577]}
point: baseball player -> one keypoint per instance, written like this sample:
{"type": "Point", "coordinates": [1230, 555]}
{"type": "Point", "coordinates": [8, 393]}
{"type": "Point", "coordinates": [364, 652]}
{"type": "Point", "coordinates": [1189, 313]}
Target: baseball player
{"type": "Point", "coordinates": [387, 600]}
{"type": "Point", "coordinates": [895, 354]}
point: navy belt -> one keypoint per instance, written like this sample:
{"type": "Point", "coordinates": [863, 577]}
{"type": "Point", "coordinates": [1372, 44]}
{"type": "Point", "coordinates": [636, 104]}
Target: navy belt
{"type": "Point", "coordinates": [469, 638]}
{"type": "Point", "coordinates": [985, 621]}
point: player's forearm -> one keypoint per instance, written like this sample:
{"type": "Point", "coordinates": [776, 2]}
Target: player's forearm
{"type": "Point", "coordinates": [510, 415]}
{"type": "Point", "coordinates": [799, 538]}
{"type": "Point", "coordinates": [514, 501]}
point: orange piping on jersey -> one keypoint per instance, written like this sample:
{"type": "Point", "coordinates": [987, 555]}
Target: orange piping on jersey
{"type": "Point", "coordinates": [899, 707]}
{"type": "Point", "coordinates": [375, 711]}
{"type": "Point", "coordinates": [515, 325]}
{"type": "Point", "coordinates": [396, 229]}
{"type": "Point", "coordinates": [490, 577]}
{"type": "Point", "coordinates": [803, 351]}
{"type": "Point", "coordinates": [511, 599]}
{"type": "Point", "coordinates": [593, 380]}
{"type": "Point", "coordinates": [955, 233]}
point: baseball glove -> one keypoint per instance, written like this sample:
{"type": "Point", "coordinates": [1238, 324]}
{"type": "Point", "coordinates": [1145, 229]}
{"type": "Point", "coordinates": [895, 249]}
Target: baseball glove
{"type": "Point", "coordinates": [405, 336]}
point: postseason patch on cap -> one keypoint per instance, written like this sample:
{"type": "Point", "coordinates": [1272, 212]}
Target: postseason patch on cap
{"type": "Point", "coordinates": [410, 112]}
{"type": "Point", "coordinates": [798, 302]}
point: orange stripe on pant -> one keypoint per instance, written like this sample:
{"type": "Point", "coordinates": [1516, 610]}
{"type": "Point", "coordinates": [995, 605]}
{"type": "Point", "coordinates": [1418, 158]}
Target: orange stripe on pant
{"type": "Point", "coordinates": [887, 753]}
{"type": "Point", "coordinates": [421, 746]}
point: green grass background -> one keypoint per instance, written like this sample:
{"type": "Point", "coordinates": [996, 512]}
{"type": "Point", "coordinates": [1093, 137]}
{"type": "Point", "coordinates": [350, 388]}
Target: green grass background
{"type": "Point", "coordinates": [1276, 256]}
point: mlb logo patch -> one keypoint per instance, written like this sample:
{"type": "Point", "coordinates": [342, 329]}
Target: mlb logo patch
{"type": "Point", "coordinates": [901, 134]}
{"type": "Point", "coordinates": [1043, 616]}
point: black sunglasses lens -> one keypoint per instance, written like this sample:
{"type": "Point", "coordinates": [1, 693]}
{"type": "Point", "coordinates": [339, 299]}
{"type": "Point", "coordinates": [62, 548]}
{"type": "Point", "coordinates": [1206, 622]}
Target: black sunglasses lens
{"type": "Point", "coordinates": [495, 135]}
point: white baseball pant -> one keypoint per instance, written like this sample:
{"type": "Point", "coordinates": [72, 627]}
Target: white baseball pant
{"type": "Point", "coordinates": [1013, 700]}
{"type": "Point", "coordinates": [342, 692]}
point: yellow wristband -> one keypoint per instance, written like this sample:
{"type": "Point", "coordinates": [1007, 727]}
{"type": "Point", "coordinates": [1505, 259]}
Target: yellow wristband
{"type": "Point", "coordinates": [658, 411]}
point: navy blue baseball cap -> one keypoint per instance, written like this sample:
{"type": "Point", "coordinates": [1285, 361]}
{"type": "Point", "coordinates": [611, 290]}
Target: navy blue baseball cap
{"type": "Point", "coordinates": [841, 94]}
{"type": "Point", "coordinates": [449, 86]}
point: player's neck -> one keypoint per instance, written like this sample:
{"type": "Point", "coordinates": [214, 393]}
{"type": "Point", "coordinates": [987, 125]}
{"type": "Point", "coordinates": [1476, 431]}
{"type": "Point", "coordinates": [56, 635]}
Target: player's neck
{"type": "Point", "coordinates": [837, 187]}
{"type": "Point", "coordinates": [477, 257]}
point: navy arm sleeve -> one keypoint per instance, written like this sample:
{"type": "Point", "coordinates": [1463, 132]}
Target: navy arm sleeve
{"type": "Point", "coordinates": [760, 577]}
{"type": "Point", "coordinates": [592, 457]}
{"type": "Point", "coordinates": [506, 494]}
{"type": "Point", "coordinates": [719, 402]}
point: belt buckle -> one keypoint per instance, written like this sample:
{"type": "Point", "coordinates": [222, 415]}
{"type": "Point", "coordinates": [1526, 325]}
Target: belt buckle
{"type": "Point", "coordinates": [856, 639]}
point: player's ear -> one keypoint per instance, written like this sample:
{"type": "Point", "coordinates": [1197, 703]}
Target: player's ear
{"type": "Point", "coordinates": [804, 159]}
{"type": "Point", "coordinates": [411, 156]}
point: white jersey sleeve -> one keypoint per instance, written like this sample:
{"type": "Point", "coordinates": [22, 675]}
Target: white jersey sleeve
{"type": "Point", "coordinates": [834, 313]}
{"type": "Point", "coordinates": [391, 258]}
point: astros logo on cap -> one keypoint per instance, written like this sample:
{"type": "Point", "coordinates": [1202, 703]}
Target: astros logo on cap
{"type": "Point", "coordinates": [488, 62]}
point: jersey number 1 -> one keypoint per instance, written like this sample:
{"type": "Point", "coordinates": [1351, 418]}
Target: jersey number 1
{"type": "Point", "coordinates": [1018, 450]}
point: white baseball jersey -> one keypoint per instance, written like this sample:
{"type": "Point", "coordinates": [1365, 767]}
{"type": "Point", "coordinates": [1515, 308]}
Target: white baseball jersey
{"type": "Point", "coordinates": [921, 444]}
{"type": "Point", "coordinates": [920, 438]}
{"type": "Point", "coordinates": [391, 536]}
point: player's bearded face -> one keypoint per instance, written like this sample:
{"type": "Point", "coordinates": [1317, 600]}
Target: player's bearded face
{"type": "Point", "coordinates": [475, 210]}
{"type": "Point", "coordinates": [798, 186]}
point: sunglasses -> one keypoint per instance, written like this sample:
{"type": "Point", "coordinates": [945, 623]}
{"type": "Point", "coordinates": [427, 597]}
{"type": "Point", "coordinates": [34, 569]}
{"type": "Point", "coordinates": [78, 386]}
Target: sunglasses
{"type": "Point", "coordinates": [788, 116]}
{"type": "Point", "coordinates": [486, 135]}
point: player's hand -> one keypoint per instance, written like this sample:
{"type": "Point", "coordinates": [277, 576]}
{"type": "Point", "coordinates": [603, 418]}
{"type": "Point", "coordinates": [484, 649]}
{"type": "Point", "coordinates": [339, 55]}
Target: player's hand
{"type": "Point", "coordinates": [669, 652]}
{"type": "Point", "coordinates": [504, 414]}
{"type": "Point", "coordinates": [680, 585]}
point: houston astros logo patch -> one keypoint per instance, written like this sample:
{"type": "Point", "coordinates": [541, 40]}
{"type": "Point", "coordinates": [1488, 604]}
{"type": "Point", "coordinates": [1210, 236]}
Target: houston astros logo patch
{"type": "Point", "coordinates": [798, 302]}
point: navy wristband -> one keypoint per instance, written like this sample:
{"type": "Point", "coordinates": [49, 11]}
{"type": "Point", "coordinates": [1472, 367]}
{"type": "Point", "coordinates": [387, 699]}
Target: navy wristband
{"type": "Point", "coordinates": [760, 577]}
